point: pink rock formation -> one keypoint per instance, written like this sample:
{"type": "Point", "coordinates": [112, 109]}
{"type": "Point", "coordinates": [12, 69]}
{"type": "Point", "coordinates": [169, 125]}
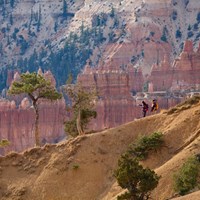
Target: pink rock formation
{"type": "Point", "coordinates": [17, 124]}
{"type": "Point", "coordinates": [115, 86]}
{"type": "Point", "coordinates": [25, 104]}
{"type": "Point", "coordinates": [188, 46]}
{"type": "Point", "coordinates": [10, 75]}
{"type": "Point", "coordinates": [184, 74]}
{"type": "Point", "coordinates": [49, 76]}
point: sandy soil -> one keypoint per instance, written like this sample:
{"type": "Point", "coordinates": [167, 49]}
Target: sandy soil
{"type": "Point", "coordinates": [82, 168]}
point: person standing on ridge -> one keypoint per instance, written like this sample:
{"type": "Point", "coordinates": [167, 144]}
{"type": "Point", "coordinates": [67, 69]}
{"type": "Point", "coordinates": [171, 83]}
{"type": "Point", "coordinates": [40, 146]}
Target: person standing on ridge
{"type": "Point", "coordinates": [154, 106]}
{"type": "Point", "coordinates": [145, 108]}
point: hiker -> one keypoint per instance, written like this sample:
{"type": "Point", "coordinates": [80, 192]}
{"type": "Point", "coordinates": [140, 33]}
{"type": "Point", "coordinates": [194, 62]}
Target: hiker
{"type": "Point", "coordinates": [145, 108]}
{"type": "Point", "coordinates": [154, 106]}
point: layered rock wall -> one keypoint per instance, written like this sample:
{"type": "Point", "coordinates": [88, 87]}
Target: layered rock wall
{"type": "Point", "coordinates": [183, 75]}
{"type": "Point", "coordinates": [17, 124]}
{"type": "Point", "coordinates": [119, 86]}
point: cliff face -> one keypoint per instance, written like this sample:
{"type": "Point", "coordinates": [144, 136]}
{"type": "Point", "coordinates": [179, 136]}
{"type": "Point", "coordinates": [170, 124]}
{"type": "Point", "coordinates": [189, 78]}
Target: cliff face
{"type": "Point", "coordinates": [120, 87]}
{"type": "Point", "coordinates": [17, 124]}
{"type": "Point", "coordinates": [137, 31]}
{"type": "Point", "coordinates": [183, 75]}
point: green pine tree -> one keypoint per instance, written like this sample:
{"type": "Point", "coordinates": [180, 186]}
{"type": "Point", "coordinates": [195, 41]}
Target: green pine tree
{"type": "Point", "coordinates": [64, 8]}
{"type": "Point", "coordinates": [82, 106]}
{"type": "Point", "coordinates": [136, 179]}
{"type": "Point", "coordinates": [36, 87]}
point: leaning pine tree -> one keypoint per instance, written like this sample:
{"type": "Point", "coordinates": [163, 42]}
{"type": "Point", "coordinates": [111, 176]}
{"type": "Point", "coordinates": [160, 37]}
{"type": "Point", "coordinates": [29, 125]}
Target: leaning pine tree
{"type": "Point", "coordinates": [36, 87]}
{"type": "Point", "coordinates": [83, 108]}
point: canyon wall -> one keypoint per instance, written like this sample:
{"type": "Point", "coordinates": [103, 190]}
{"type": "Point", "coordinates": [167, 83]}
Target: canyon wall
{"type": "Point", "coordinates": [17, 124]}
{"type": "Point", "coordinates": [121, 88]}
{"type": "Point", "coordinates": [182, 75]}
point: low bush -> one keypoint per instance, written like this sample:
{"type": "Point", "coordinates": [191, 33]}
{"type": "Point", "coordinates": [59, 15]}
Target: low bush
{"type": "Point", "coordinates": [4, 143]}
{"type": "Point", "coordinates": [136, 179]}
{"type": "Point", "coordinates": [186, 177]}
{"type": "Point", "coordinates": [145, 144]}
{"type": "Point", "coordinates": [76, 166]}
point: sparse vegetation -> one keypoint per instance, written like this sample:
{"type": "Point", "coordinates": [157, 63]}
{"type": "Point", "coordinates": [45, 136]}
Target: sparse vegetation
{"type": "Point", "coordinates": [65, 8]}
{"type": "Point", "coordinates": [164, 34]}
{"type": "Point", "coordinates": [198, 17]}
{"type": "Point", "coordinates": [178, 34]}
{"type": "Point", "coordinates": [82, 108]}
{"type": "Point", "coordinates": [4, 143]}
{"type": "Point", "coordinates": [186, 178]}
{"type": "Point", "coordinates": [190, 34]}
{"type": "Point", "coordinates": [145, 144]}
{"type": "Point", "coordinates": [189, 27]}
{"type": "Point", "coordinates": [75, 166]}
{"type": "Point", "coordinates": [112, 12]}
{"type": "Point", "coordinates": [174, 15]}
{"type": "Point", "coordinates": [100, 19]}
{"type": "Point", "coordinates": [131, 175]}
{"type": "Point", "coordinates": [145, 86]}
{"type": "Point", "coordinates": [196, 27]}
{"type": "Point", "coordinates": [70, 59]}
{"type": "Point", "coordinates": [137, 180]}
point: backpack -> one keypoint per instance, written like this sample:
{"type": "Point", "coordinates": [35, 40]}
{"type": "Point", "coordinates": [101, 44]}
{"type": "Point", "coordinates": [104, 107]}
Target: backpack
{"type": "Point", "coordinates": [156, 107]}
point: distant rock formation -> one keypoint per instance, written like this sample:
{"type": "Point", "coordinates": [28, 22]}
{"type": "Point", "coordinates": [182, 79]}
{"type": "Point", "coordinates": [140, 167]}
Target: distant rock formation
{"type": "Point", "coordinates": [17, 120]}
{"type": "Point", "coordinates": [183, 75]}
{"type": "Point", "coordinates": [120, 88]}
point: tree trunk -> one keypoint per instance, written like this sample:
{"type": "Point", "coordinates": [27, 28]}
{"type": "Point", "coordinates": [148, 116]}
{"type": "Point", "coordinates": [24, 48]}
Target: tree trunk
{"type": "Point", "coordinates": [37, 137]}
{"type": "Point", "coordinates": [78, 124]}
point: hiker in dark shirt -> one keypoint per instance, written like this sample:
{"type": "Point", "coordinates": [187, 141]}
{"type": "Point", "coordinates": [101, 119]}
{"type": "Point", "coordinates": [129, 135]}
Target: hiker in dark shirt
{"type": "Point", "coordinates": [145, 108]}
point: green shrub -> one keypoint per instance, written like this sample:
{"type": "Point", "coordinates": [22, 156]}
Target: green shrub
{"type": "Point", "coordinates": [136, 179]}
{"type": "Point", "coordinates": [4, 143]}
{"type": "Point", "coordinates": [174, 15]}
{"type": "Point", "coordinates": [178, 34]}
{"type": "Point", "coordinates": [164, 34]}
{"type": "Point", "coordinates": [190, 34]}
{"type": "Point", "coordinates": [144, 144]}
{"type": "Point", "coordinates": [71, 128]}
{"type": "Point", "coordinates": [186, 178]}
{"type": "Point", "coordinates": [198, 17]}
{"type": "Point", "coordinates": [76, 166]}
